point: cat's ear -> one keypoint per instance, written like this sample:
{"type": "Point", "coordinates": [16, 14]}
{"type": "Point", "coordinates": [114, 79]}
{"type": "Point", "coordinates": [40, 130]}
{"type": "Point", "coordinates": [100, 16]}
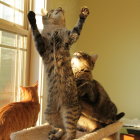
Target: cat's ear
{"type": "Point", "coordinates": [43, 12]}
{"type": "Point", "coordinates": [22, 88]}
{"type": "Point", "coordinates": [94, 57]}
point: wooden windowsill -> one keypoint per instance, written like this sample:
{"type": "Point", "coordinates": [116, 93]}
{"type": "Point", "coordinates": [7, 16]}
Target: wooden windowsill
{"type": "Point", "coordinates": [8, 26]}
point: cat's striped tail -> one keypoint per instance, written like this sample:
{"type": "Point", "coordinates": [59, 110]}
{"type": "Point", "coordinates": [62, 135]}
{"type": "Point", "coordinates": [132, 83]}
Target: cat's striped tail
{"type": "Point", "coordinates": [119, 116]}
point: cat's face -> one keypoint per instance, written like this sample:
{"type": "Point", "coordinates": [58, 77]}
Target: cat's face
{"type": "Point", "coordinates": [82, 61]}
{"type": "Point", "coordinates": [28, 92]}
{"type": "Point", "coordinates": [55, 16]}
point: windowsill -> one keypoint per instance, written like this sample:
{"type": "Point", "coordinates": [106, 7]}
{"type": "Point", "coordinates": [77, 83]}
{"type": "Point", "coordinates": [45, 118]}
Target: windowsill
{"type": "Point", "coordinates": [8, 26]}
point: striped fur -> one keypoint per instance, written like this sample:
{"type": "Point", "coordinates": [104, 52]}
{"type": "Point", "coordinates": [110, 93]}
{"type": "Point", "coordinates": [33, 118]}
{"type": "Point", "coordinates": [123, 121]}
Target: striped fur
{"type": "Point", "coordinates": [19, 115]}
{"type": "Point", "coordinates": [53, 45]}
{"type": "Point", "coordinates": [96, 104]}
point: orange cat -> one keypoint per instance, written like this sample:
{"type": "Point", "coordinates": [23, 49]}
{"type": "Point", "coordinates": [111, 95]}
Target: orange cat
{"type": "Point", "coordinates": [19, 115]}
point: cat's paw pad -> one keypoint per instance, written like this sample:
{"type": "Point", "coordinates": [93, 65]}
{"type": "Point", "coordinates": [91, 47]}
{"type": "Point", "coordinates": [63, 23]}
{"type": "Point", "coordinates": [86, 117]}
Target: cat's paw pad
{"type": "Point", "coordinates": [31, 17]}
{"type": "Point", "coordinates": [84, 12]}
{"type": "Point", "coordinates": [54, 131]}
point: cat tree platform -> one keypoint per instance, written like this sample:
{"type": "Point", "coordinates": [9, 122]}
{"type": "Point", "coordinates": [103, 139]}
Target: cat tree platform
{"type": "Point", "coordinates": [41, 133]}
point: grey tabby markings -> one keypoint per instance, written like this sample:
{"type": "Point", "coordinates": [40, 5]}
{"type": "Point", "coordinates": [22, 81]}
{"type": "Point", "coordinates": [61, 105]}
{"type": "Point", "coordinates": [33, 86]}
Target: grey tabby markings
{"type": "Point", "coordinates": [53, 45]}
{"type": "Point", "coordinates": [96, 104]}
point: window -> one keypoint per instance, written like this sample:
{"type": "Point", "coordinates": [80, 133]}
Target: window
{"type": "Point", "coordinates": [14, 38]}
{"type": "Point", "coordinates": [38, 5]}
{"type": "Point", "coordinates": [14, 49]}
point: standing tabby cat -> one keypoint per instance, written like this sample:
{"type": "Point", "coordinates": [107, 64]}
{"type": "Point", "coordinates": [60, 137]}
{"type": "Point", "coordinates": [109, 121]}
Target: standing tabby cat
{"type": "Point", "coordinates": [94, 99]}
{"type": "Point", "coordinates": [19, 115]}
{"type": "Point", "coordinates": [53, 45]}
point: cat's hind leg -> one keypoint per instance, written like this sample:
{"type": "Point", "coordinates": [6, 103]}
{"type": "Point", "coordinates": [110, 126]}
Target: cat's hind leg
{"type": "Point", "coordinates": [54, 119]}
{"type": "Point", "coordinates": [70, 117]}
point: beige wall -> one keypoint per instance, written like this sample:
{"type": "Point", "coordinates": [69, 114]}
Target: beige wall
{"type": "Point", "coordinates": [113, 32]}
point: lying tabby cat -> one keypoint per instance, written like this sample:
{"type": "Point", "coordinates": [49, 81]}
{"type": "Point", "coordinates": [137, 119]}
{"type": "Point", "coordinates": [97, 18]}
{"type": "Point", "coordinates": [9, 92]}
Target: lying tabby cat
{"type": "Point", "coordinates": [95, 101]}
{"type": "Point", "coordinates": [53, 45]}
{"type": "Point", "coordinates": [19, 115]}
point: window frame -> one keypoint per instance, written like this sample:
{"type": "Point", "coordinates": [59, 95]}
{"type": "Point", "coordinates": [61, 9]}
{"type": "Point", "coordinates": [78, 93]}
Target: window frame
{"type": "Point", "coordinates": [24, 31]}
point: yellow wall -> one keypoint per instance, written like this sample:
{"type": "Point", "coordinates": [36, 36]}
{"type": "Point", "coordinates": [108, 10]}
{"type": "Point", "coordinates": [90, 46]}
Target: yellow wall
{"type": "Point", "coordinates": [113, 32]}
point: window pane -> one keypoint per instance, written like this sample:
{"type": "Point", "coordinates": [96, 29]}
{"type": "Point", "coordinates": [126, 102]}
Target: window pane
{"type": "Point", "coordinates": [12, 66]}
{"type": "Point", "coordinates": [39, 4]}
{"type": "Point", "coordinates": [19, 4]}
{"type": "Point", "coordinates": [7, 75]}
{"type": "Point", "coordinates": [18, 19]}
{"type": "Point", "coordinates": [10, 2]}
{"type": "Point", "coordinates": [39, 22]}
{"type": "Point", "coordinates": [21, 71]}
{"type": "Point", "coordinates": [13, 40]}
{"type": "Point", "coordinates": [11, 14]}
{"type": "Point", "coordinates": [8, 39]}
{"type": "Point", "coordinates": [16, 3]}
{"type": "Point", "coordinates": [6, 13]}
{"type": "Point", "coordinates": [22, 42]}
{"type": "Point", "coordinates": [25, 43]}
{"type": "Point", "coordinates": [21, 66]}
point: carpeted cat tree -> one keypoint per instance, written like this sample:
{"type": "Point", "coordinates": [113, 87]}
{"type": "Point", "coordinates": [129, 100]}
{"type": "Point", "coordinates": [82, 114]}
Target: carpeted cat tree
{"type": "Point", "coordinates": [41, 133]}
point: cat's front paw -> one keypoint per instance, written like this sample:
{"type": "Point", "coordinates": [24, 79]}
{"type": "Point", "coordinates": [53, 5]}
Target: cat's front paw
{"type": "Point", "coordinates": [31, 17]}
{"type": "Point", "coordinates": [84, 12]}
